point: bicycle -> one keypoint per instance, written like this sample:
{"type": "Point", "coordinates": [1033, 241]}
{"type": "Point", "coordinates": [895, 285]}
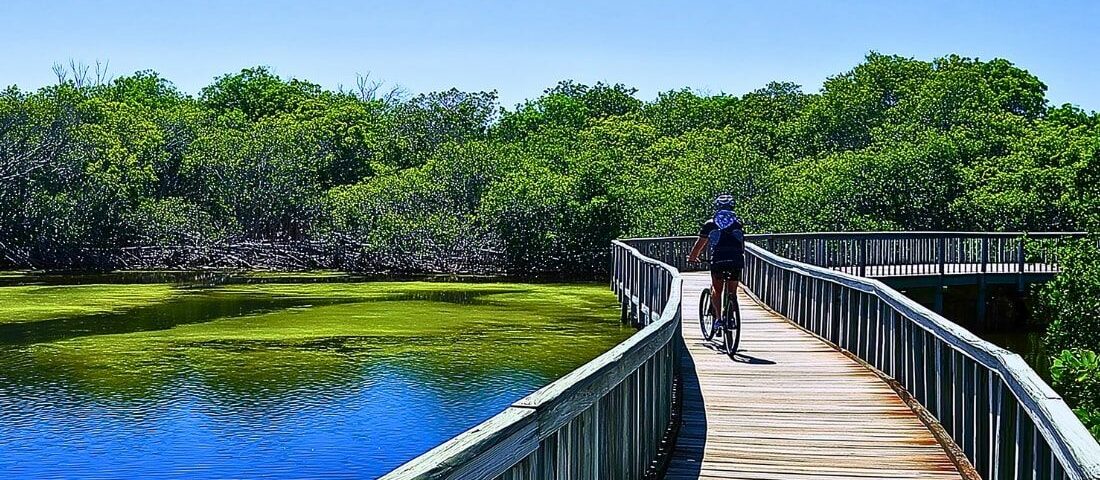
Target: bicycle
{"type": "Point", "coordinates": [730, 326]}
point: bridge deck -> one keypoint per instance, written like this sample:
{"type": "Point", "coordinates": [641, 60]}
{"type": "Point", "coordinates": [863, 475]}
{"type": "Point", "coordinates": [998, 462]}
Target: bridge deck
{"type": "Point", "coordinates": [791, 407]}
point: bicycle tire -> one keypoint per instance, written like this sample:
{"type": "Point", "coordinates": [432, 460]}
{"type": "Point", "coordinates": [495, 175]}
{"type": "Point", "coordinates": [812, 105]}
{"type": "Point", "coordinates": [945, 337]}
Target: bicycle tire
{"type": "Point", "coordinates": [731, 334]}
{"type": "Point", "coordinates": [706, 315]}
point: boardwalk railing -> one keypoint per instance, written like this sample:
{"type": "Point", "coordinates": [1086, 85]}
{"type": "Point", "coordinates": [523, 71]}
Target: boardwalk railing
{"type": "Point", "coordinates": [1007, 421]}
{"type": "Point", "coordinates": [606, 419]}
{"type": "Point", "coordinates": [920, 253]}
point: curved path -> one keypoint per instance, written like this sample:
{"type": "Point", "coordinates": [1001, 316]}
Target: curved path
{"type": "Point", "coordinates": [791, 407]}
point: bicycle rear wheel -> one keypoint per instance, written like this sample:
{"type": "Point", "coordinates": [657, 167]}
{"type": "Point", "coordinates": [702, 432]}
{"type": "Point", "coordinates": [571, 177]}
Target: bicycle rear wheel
{"type": "Point", "coordinates": [706, 315]}
{"type": "Point", "coordinates": [731, 337]}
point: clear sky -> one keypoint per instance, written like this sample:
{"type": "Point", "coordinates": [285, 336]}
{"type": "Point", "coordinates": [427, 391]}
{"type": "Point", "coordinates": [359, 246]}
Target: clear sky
{"type": "Point", "coordinates": [521, 47]}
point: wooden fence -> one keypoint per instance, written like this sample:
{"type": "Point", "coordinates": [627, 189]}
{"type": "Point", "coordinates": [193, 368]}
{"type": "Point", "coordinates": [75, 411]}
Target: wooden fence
{"type": "Point", "coordinates": [607, 419]}
{"type": "Point", "coordinates": [920, 253]}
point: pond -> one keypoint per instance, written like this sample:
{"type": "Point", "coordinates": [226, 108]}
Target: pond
{"type": "Point", "coordinates": [283, 379]}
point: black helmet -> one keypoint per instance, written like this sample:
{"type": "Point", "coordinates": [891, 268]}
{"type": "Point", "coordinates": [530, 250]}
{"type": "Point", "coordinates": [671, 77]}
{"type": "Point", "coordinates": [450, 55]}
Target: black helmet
{"type": "Point", "coordinates": [723, 202]}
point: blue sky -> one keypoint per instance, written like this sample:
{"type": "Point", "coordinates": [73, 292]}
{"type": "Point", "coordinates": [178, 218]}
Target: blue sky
{"type": "Point", "coordinates": [520, 48]}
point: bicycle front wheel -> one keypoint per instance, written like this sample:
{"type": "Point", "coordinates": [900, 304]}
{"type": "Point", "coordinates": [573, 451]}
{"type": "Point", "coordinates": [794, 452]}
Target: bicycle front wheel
{"type": "Point", "coordinates": [706, 315]}
{"type": "Point", "coordinates": [731, 337]}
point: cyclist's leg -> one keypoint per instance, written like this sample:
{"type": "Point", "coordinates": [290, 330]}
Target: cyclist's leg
{"type": "Point", "coordinates": [733, 281]}
{"type": "Point", "coordinates": [731, 292]}
{"type": "Point", "coordinates": [716, 285]}
{"type": "Point", "coordinates": [731, 286]}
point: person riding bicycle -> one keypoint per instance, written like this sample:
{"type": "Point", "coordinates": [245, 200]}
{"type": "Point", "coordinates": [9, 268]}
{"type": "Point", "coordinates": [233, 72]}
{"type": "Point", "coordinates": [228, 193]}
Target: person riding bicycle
{"type": "Point", "coordinates": [726, 236]}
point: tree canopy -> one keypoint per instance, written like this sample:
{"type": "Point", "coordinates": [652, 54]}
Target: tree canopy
{"type": "Point", "coordinates": [133, 172]}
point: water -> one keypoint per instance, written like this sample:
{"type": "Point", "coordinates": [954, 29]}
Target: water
{"type": "Point", "coordinates": [1009, 322]}
{"type": "Point", "coordinates": [1028, 344]}
{"type": "Point", "coordinates": [274, 380]}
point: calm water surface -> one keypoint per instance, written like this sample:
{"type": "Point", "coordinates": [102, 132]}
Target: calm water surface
{"type": "Point", "coordinates": [274, 380]}
{"type": "Point", "coordinates": [1009, 321]}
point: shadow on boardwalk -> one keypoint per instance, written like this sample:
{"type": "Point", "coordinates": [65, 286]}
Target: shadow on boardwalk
{"type": "Point", "coordinates": [692, 439]}
{"type": "Point", "coordinates": [790, 406]}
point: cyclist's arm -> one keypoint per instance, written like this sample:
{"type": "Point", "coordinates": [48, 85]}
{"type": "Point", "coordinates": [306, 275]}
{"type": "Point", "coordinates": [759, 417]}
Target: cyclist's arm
{"type": "Point", "coordinates": [700, 244]}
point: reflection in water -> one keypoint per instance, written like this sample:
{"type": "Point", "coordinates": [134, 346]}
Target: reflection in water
{"type": "Point", "coordinates": [287, 381]}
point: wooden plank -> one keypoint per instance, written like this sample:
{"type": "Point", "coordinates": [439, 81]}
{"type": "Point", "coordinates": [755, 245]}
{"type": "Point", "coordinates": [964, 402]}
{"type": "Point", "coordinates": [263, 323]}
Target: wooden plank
{"type": "Point", "coordinates": [485, 451]}
{"type": "Point", "coordinates": [1068, 439]}
{"type": "Point", "coordinates": [791, 407]}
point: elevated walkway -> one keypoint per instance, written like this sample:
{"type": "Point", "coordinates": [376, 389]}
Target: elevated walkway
{"type": "Point", "coordinates": [791, 406]}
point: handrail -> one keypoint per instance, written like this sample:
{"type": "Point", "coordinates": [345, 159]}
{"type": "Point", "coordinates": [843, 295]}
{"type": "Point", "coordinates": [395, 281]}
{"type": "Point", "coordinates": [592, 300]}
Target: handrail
{"type": "Point", "coordinates": [922, 253]}
{"type": "Point", "coordinates": [1008, 422]}
{"type": "Point", "coordinates": [919, 233]}
{"type": "Point", "coordinates": [1069, 440]}
{"type": "Point", "coordinates": [605, 419]}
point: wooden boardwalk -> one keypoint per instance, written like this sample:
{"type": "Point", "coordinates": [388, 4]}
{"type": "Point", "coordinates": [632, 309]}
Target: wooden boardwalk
{"type": "Point", "coordinates": [791, 407]}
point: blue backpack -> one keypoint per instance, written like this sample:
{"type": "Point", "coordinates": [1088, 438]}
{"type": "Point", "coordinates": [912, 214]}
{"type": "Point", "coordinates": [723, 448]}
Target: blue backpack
{"type": "Point", "coordinates": [727, 242]}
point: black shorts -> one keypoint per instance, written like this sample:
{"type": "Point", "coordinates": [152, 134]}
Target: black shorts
{"type": "Point", "coordinates": [725, 271]}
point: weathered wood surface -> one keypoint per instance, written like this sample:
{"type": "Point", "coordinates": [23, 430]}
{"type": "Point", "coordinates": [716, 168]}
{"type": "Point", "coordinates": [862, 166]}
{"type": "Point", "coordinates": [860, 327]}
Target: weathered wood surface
{"type": "Point", "coordinates": [1006, 420]}
{"type": "Point", "coordinates": [1003, 417]}
{"type": "Point", "coordinates": [791, 407]}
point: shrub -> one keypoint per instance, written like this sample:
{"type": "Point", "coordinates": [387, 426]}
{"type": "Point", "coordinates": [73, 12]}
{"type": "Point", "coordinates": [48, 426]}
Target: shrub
{"type": "Point", "coordinates": [1072, 302]}
{"type": "Point", "coordinates": [1076, 374]}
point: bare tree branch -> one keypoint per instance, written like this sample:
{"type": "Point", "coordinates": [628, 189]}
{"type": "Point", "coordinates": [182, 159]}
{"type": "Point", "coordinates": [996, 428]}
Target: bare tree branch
{"type": "Point", "coordinates": [61, 73]}
{"type": "Point", "coordinates": [101, 74]}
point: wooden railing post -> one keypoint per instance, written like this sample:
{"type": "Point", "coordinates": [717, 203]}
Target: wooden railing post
{"type": "Point", "coordinates": [863, 257]}
{"type": "Point", "coordinates": [941, 253]}
{"type": "Point", "coordinates": [614, 266]}
{"type": "Point", "coordinates": [985, 253]}
{"type": "Point", "coordinates": [1021, 260]}
{"type": "Point", "coordinates": [819, 245]}
{"type": "Point", "coordinates": [1020, 263]}
{"type": "Point", "coordinates": [982, 281]}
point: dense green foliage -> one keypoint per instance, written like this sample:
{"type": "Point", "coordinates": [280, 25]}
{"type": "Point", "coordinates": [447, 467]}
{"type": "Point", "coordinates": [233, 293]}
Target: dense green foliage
{"type": "Point", "coordinates": [1072, 302]}
{"type": "Point", "coordinates": [135, 173]}
{"type": "Point", "coordinates": [1077, 376]}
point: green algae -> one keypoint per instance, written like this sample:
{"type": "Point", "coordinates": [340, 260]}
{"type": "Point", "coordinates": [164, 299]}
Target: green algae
{"type": "Point", "coordinates": [305, 337]}
{"type": "Point", "coordinates": [34, 303]}
{"type": "Point", "coordinates": [323, 274]}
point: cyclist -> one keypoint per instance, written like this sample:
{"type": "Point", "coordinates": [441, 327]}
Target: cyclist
{"type": "Point", "coordinates": [726, 236]}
